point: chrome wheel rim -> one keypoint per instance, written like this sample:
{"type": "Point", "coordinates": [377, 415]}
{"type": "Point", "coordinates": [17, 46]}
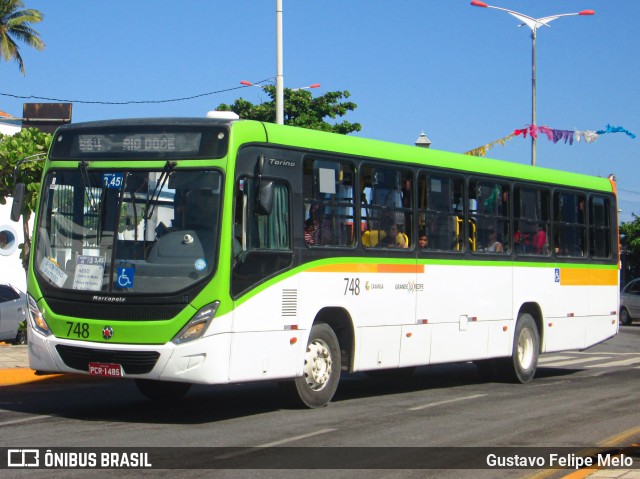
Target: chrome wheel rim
{"type": "Point", "coordinates": [317, 365]}
{"type": "Point", "coordinates": [525, 349]}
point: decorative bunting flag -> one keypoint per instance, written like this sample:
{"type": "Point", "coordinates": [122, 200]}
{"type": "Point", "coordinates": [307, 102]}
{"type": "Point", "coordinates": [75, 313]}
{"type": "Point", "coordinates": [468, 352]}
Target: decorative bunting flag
{"type": "Point", "coordinates": [568, 136]}
{"type": "Point", "coordinates": [482, 150]}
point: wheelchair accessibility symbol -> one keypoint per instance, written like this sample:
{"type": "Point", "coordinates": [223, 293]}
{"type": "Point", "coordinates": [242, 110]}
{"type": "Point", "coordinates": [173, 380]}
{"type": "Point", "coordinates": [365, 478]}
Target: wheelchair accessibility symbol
{"type": "Point", "coordinates": [125, 278]}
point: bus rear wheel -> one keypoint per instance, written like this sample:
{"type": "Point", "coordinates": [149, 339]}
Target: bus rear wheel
{"type": "Point", "coordinates": [521, 366]}
{"type": "Point", "coordinates": [162, 391]}
{"type": "Point", "coordinates": [321, 370]}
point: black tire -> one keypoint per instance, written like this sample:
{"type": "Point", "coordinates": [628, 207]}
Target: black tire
{"type": "Point", "coordinates": [162, 391]}
{"type": "Point", "coordinates": [625, 317]}
{"type": "Point", "coordinates": [521, 366]}
{"type": "Point", "coordinates": [322, 367]}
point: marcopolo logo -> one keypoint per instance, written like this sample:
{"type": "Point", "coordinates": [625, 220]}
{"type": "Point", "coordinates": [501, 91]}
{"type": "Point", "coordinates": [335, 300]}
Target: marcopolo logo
{"type": "Point", "coordinates": [109, 299]}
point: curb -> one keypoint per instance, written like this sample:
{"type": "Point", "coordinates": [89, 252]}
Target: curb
{"type": "Point", "coordinates": [9, 377]}
{"type": "Point", "coordinates": [16, 376]}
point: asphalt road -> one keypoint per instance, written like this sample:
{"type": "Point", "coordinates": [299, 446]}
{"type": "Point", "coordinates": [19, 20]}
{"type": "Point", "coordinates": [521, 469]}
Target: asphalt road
{"type": "Point", "coordinates": [580, 399]}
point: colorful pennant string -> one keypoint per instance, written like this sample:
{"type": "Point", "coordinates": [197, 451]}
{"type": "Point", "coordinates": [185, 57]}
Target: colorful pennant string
{"type": "Point", "coordinates": [567, 136]}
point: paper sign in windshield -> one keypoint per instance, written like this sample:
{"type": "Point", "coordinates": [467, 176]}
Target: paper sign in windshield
{"type": "Point", "coordinates": [89, 273]}
{"type": "Point", "coordinates": [53, 272]}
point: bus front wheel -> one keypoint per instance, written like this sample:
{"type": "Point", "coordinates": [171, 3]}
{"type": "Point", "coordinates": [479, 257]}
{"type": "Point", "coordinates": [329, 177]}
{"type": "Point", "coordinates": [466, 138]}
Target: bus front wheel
{"type": "Point", "coordinates": [321, 370]}
{"type": "Point", "coordinates": [521, 366]}
{"type": "Point", "coordinates": [162, 391]}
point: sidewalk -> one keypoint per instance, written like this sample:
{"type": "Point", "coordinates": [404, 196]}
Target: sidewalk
{"type": "Point", "coordinates": [14, 366]}
{"type": "Point", "coordinates": [14, 369]}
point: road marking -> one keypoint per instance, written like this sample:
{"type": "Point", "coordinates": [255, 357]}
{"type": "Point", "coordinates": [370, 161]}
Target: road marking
{"type": "Point", "coordinates": [24, 419]}
{"type": "Point", "coordinates": [448, 401]}
{"type": "Point", "coordinates": [555, 364]}
{"type": "Point", "coordinates": [252, 449]}
{"type": "Point", "coordinates": [622, 362]}
{"type": "Point", "coordinates": [296, 438]}
{"type": "Point", "coordinates": [547, 359]}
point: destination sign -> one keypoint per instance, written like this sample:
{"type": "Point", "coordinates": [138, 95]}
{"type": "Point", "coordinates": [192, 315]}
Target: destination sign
{"type": "Point", "coordinates": [183, 142]}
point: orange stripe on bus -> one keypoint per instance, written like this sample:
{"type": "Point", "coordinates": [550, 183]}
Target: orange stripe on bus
{"type": "Point", "coordinates": [368, 268]}
{"type": "Point", "coordinates": [588, 277]}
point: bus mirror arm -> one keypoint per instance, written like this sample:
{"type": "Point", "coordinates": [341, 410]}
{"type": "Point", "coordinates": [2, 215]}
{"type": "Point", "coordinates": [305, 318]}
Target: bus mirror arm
{"type": "Point", "coordinates": [18, 201]}
{"type": "Point", "coordinates": [19, 188]}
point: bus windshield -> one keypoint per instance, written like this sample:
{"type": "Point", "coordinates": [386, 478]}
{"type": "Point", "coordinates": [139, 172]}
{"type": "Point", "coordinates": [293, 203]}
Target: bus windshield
{"type": "Point", "coordinates": [128, 232]}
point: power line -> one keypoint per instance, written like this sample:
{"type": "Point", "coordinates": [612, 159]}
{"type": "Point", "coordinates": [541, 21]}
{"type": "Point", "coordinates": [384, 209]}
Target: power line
{"type": "Point", "coordinates": [129, 102]}
{"type": "Point", "coordinates": [629, 191]}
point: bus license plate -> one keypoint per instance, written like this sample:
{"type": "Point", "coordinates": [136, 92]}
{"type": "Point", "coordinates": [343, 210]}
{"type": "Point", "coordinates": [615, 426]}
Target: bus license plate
{"type": "Point", "coordinates": [106, 369]}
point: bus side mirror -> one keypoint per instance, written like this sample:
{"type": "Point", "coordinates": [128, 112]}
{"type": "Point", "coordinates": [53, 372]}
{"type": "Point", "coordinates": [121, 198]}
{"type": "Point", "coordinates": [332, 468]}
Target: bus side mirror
{"type": "Point", "coordinates": [18, 200]}
{"type": "Point", "coordinates": [264, 198]}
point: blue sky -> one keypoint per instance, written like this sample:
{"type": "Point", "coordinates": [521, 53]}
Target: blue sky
{"type": "Point", "coordinates": [459, 73]}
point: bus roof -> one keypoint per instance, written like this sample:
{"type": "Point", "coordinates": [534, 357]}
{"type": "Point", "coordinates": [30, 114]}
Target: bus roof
{"type": "Point", "coordinates": [356, 146]}
{"type": "Point", "coordinates": [246, 131]}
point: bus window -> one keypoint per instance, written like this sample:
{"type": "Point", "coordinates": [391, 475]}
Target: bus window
{"type": "Point", "coordinates": [531, 214]}
{"type": "Point", "coordinates": [440, 199]}
{"type": "Point", "coordinates": [261, 242]}
{"type": "Point", "coordinates": [328, 203]}
{"type": "Point", "coordinates": [489, 230]}
{"type": "Point", "coordinates": [600, 227]}
{"type": "Point", "coordinates": [569, 224]}
{"type": "Point", "coordinates": [387, 209]}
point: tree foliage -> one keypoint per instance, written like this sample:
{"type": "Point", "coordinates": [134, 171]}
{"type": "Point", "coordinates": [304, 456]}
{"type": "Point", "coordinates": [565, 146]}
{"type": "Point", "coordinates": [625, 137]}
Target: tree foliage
{"type": "Point", "coordinates": [15, 26]}
{"type": "Point", "coordinates": [630, 243]}
{"type": "Point", "coordinates": [28, 143]}
{"type": "Point", "coordinates": [300, 109]}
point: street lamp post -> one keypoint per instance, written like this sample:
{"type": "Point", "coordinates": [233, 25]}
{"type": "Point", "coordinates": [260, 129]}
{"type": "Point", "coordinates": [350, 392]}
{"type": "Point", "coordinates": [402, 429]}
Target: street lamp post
{"type": "Point", "coordinates": [533, 24]}
{"type": "Point", "coordinates": [279, 67]}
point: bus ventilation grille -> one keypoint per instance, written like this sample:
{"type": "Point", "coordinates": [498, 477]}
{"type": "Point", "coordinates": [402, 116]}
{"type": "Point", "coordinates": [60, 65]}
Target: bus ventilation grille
{"type": "Point", "coordinates": [115, 312]}
{"type": "Point", "coordinates": [290, 302]}
{"type": "Point", "coordinates": [133, 362]}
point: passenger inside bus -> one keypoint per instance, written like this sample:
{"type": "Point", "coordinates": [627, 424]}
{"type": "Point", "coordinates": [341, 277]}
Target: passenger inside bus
{"type": "Point", "coordinates": [395, 238]}
{"type": "Point", "coordinates": [539, 241]}
{"type": "Point", "coordinates": [317, 229]}
{"type": "Point", "coordinates": [423, 240]}
{"type": "Point", "coordinates": [493, 245]}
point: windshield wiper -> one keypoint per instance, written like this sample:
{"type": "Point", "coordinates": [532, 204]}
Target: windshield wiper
{"type": "Point", "coordinates": [93, 203]}
{"type": "Point", "coordinates": [153, 199]}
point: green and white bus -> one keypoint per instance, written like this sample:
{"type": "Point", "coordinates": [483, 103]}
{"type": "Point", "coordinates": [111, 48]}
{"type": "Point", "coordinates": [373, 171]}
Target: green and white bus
{"type": "Point", "coordinates": [213, 251]}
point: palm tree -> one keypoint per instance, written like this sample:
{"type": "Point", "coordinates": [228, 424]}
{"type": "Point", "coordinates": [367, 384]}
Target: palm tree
{"type": "Point", "coordinates": [15, 25]}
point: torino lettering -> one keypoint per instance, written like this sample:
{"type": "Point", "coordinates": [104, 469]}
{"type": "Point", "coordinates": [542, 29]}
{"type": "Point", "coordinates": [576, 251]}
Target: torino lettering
{"type": "Point", "coordinates": [274, 162]}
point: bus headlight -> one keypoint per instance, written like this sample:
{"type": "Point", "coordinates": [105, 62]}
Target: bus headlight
{"type": "Point", "coordinates": [198, 325]}
{"type": "Point", "coordinates": [37, 318]}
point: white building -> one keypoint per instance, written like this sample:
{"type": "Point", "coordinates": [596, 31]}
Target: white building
{"type": "Point", "coordinates": [11, 235]}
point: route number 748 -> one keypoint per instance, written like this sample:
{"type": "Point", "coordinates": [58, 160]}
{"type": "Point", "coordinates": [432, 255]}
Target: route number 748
{"type": "Point", "coordinates": [352, 285]}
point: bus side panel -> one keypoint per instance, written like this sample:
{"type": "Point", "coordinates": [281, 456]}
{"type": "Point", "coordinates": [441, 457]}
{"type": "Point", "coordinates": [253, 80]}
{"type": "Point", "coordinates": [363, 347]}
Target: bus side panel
{"type": "Point", "coordinates": [579, 305]}
{"type": "Point", "coordinates": [462, 306]}
{"type": "Point", "coordinates": [415, 344]}
{"type": "Point", "coordinates": [267, 340]}
{"type": "Point", "coordinates": [379, 300]}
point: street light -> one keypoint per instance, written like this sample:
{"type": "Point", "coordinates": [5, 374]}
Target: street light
{"type": "Point", "coordinates": [279, 67]}
{"type": "Point", "coordinates": [533, 24]}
